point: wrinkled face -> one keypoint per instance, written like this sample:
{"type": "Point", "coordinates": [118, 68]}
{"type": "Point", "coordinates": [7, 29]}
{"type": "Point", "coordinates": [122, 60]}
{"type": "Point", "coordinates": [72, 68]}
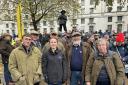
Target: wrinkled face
{"type": "Point", "coordinates": [102, 47]}
{"type": "Point", "coordinates": [26, 41]}
{"type": "Point", "coordinates": [34, 36]}
{"type": "Point", "coordinates": [53, 43]}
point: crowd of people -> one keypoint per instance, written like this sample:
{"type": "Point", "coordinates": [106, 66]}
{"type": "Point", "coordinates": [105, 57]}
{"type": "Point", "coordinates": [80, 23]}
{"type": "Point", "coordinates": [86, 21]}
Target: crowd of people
{"type": "Point", "coordinates": [65, 58]}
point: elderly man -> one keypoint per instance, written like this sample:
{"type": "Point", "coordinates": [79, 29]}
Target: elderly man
{"type": "Point", "coordinates": [77, 58]}
{"type": "Point", "coordinates": [35, 39]}
{"type": "Point", "coordinates": [25, 63]}
{"type": "Point", "coordinates": [104, 67]}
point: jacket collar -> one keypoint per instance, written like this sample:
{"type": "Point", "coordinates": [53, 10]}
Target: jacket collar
{"type": "Point", "coordinates": [28, 51]}
{"type": "Point", "coordinates": [99, 55]}
{"type": "Point", "coordinates": [53, 53]}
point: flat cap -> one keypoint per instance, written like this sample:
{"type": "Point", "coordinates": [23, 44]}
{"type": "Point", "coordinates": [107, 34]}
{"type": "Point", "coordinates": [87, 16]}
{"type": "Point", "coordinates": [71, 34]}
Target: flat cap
{"type": "Point", "coordinates": [76, 34]}
{"type": "Point", "coordinates": [34, 32]}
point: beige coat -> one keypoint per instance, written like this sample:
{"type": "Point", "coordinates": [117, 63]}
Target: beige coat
{"type": "Point", "coordinates": [26, 65]}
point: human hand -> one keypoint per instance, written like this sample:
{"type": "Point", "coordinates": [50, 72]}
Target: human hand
{"type": "Point", "coordinates": [88, 83]}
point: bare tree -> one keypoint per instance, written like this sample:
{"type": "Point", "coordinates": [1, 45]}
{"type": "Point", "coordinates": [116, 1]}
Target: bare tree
{"type": "Point", "coordinates": [39, 9]}
{"type": "Point", "coordinates": [109, 2]}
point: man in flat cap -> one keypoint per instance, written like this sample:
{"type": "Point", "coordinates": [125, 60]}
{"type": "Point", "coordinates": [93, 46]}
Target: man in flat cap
{"type": "Point", "coordinates": [77, 59]}
{"type": "Point", "coordinates": [35, 39]}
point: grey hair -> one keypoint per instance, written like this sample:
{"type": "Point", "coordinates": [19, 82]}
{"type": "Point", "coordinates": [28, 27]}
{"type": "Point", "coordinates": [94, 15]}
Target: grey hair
{"type": "Point", "coordinates": [102, 40]}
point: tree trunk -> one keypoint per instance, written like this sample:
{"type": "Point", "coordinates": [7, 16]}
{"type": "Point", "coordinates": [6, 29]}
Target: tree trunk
{"type": "Point", "coordinates": [35, 26]}
{"type": "Point", "coordinates": [34, 22]}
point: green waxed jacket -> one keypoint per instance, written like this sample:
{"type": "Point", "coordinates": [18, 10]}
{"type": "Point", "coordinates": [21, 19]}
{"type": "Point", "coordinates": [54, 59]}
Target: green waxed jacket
{"type": "Point", "coordinates": [114, 67]}
{"type": "Point", "coordinates": [27, 65]}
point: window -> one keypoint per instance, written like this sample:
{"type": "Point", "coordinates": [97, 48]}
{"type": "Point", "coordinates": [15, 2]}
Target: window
{"type": "Point", "coordinates": [13, 31]}
{"type": "Point", "coordinates": [82, 20]}
{"type": "Point", "coordinates": [51, 29]}
{"type": "Point", "coordinates": [109, 28]}
{"type": "Point", "coordinates": [83, 11]}
{"type": "Point", "coordinates": [119, 8]}
{"type": "Point", "coordinates": [9, 11]}
{"type": "Point", "coordinates": [45, 30]}
{"type": "Point", "coordinates": [25, 31]}
{"type": "Point", "coordinates": [44, 23]}
{"type": "Point", "coordinates": [91, 10]}
{"type": "Point", "coordinates": [109, 9]}
{"type": "Point", "coordinates": [119, 1]}
{"type": "Point", "coordinates": [119, 28]}
{"type": "Point", "coordinates": [7, 25]}
{"type": "Point", "coordinates": [91, 29]}
{"type": "Point", "coordinates": [15, 17]}
{"type": "Point", "coordinates": [91, 20]}
{"type": "Point", "coordinates": [75, 13]}
{"type": "Point", "coordinates": [109, 19]}
{"type": "Point", "coordinates": [25, 24]}
{"type": "Point", "coordinates": [51, 23]}
{"type": "Point", "coordinates": [13, 25]}
{"type": "Point", "coordinates": [91, 2]}
{"type": "Point", "coordinates": [7, 31]}
{"type": "Point", "coordinates": [74, 21]}
{"type": "Point", "coordinates": [82, 2]}
{"type": "Point", "coordinates": [26, 16]}
{"type": "Point", "coordinates": [119, 18]}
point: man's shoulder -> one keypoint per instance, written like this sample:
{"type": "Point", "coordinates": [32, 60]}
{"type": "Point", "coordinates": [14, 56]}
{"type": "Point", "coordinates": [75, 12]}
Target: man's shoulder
{"type": "Point", "coordinates": [17, 48]}
{"type": "Point", "coordinates": [36, 49]}
{"type": "Point", "coordinates": [15, 51]}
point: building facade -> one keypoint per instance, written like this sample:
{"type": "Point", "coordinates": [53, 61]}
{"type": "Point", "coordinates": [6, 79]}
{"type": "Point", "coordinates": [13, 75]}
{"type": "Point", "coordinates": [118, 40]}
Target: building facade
{"type": "Point", "coordinates": [89, 18]}
{"type": "Point", "coordinates": [103, 17]}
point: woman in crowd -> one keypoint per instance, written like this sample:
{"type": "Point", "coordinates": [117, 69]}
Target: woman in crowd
{"type": "Point", "coordinates": [54, 64]}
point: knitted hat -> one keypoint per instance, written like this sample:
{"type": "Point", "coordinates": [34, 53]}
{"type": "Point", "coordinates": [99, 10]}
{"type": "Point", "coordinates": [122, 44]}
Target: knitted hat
{"type": "Point", "coordinates": [120, 37]}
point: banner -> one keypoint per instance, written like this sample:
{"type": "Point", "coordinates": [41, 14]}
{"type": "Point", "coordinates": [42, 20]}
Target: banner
{"type": "Point", "coordinates": [20, 25]}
